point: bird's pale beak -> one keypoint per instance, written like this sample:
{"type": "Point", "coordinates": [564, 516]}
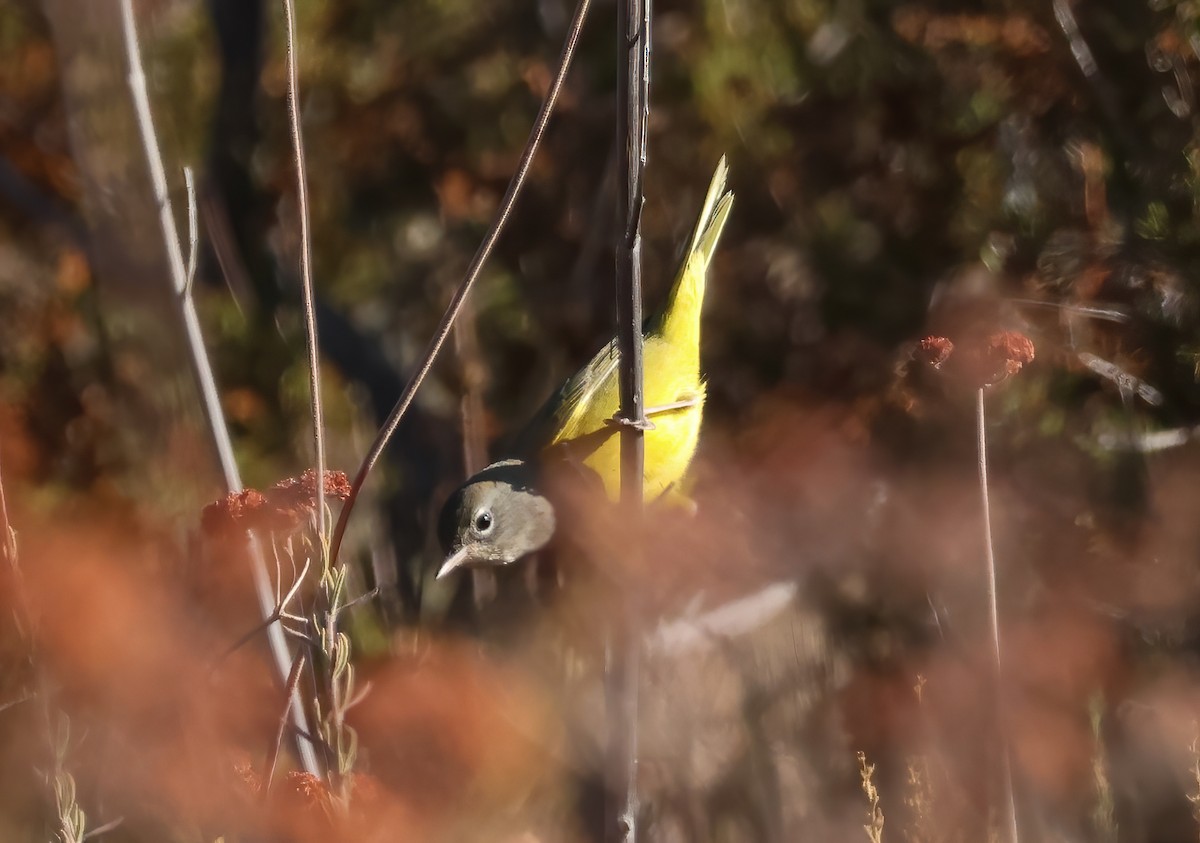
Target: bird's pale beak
{"type": "Point", "coordinates": [455, 561]}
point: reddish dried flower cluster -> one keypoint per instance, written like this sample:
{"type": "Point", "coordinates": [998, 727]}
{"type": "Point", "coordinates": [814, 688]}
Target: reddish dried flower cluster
{"type": "Point", "coordinates": [305, 790]}
{"type": "Point", "coordinates": [1006, 354]}
{"type": "Point", "coordinates": [248, 778]}
{"type": "Point", "coordinates": [1000, 356]}
{"type": "Point", "coordinates": [294, 498]}
{"type": "Point", "coordinates": [933, 351]}
{"type": "Point", "coordinates": [301, 796]}
{"type": "Point", "coordinates": [285, 506]}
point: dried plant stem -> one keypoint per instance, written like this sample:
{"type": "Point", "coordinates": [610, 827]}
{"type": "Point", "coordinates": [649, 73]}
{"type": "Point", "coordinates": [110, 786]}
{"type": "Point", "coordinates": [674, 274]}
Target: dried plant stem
{"type": "Point", "coordinates": [460, 295]}
{"type": "Point", "coordinates": [306, 280]}
{"type": "Point", "coordinates": [474, 440]}
{"type": "Point", "coordinates": [1194, 796]}
{"type": "Point", "coordinates": [874, 824]}
{"type": "Point", "coordinates": [201, 368]}
{"type": "Point", "coordinates": [1009, 806]}
{"type": "Point", "coordinates": [1104, 812]}
{"type": "Point", "coordinates": [331, 647]}
{"type": "Point", "coordinates": [624, 651]}
{"type": "Point", "coordinates": [273, 755]}
{"type": "Point", "coordinates": [335, 680]}
{"type": "Point", "coordinates": [189, 278]}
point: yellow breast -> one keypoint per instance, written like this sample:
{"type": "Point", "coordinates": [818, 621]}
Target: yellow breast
{"type": "Point", "coordinates": [670, 377]}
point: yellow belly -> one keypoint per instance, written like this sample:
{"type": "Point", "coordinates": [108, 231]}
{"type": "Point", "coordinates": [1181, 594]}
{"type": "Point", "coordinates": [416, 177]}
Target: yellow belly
{"type": "Point", "coordinates": [669, 378]}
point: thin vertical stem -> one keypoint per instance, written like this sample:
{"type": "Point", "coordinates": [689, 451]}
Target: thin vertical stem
{"type": "Point", "coordinates": [471, 410]}
{"type": "Point", "coordinates": [633, 73]}
{"type": "Point", "coordinates": [306, 280]}
{"type": "Point", "coordinates": [201, 368]}
{"type": "Point", "coordinates": [1006, 780]}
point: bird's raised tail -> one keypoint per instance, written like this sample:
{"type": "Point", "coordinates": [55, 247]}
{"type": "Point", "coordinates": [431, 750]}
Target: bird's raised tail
{"type": "Point", "coordinates": [681, 316]}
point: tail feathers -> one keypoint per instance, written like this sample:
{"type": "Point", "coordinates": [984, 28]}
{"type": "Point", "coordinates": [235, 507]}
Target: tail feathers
{"type": "Point", "coordinates": [687, 294]}
{"type": "Point", "coordinates": [712, 216]}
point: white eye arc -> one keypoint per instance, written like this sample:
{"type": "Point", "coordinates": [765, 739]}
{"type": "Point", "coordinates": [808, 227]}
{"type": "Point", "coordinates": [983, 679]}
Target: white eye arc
{"type": "Point", "coordinates": [484, 521]}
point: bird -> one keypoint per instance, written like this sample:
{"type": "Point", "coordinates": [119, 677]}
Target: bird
{"type": "Point", "coordinates": [506, 512]}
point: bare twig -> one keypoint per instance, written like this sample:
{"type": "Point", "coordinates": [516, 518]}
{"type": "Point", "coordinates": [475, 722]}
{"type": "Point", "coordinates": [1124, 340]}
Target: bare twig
{"type": "Point", "coordinates": [365, 597]}
{"type": "Point", "coordinates": [112, 825]}
{"type": "Point", "coordinates": [306, 281]}
{"type": "Point", "coordinates": [278, 613]}
{"type": "Point", "coordinates": [460, 295]}
{"type": "Point", "coordinates": [1009, 807]}
{"type": "Point", "coordinates": [621, 679]}
{"type": "Point", "coordinates": [11, 703]}
{"type": "Point", "coordinates": [193, 232]}
{"type": "Point", "coordinates": [1127, 384]}
{"type": "Point", "coordinates": [1105, 314]}
{"type": "Point", "coordinates": [8, 538]}
{"type": "Point", "coordinates": [471, 409]}
{"type": "Point", "coordinates": [201, 368]}
{"type": "Point", "coordinates": [1080, 50]}
{"type": "Point", "coordinates": [1085, 59]}
{"type": "Point", "coordinates": [293, 681]}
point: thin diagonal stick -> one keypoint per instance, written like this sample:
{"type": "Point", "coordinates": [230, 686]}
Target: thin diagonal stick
{"type": "Point", "coordinates": [293, 681]}
{"type": "Point", "coordinates": [1010, 805]}
{"type": "Point", "coordinates": [306, 281]}
{"type": "Point", "coordinates": [460, 295]}
{"type": "Point", "coordinates": [201, 369]}
{"type": "Point", "coordinates": [193, 232]}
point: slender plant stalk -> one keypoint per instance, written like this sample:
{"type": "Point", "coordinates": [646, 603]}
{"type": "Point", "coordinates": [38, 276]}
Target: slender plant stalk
{"type": "Point", "coordinates": [193, 233]}
{"type": "Point", "coordinates": [472, 365]}
{"type": "Point", "coordinates": [306, 280]}
{"type": "Point", "coordinates": [333, 670]}
{"type": "Point", "coordinates": [460, 295]}
{"type": "Point", "coordinates": [624, 651]}
{"type": "Point", "coordinates": [273, 755]}
{"type": "Point", "coordinates": [201, 368]}
{"type": "Point", "coordinates": [1006, 781]}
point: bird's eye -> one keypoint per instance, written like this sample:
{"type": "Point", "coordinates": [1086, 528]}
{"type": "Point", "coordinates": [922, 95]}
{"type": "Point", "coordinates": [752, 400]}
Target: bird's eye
{"type": "Point", "coordinates": [483, 521]}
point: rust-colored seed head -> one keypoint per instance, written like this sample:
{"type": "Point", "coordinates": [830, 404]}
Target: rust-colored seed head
{"type": "Point", "coordinates": [308, 789]}
{"type": "Point", "coordinates": [292, 500]}
{"type": "Point", "coordinates": [303, 489]}
{"type": "Point", "coordinates": [285, 506]}
{"type": "Point", "coordinates": [247, 778]}
{"type": "Point", "coordinates": [1014, 347]}
{"type": "Point", "coordinates": [236, 511]}
{"type": "Point", "coordinates": [1007, 353]}
{"type": "Point", "coordinates": [933, 351]}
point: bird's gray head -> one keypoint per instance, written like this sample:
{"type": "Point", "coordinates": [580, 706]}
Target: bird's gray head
{"type": "Point", "coordinates": [495, 518]}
